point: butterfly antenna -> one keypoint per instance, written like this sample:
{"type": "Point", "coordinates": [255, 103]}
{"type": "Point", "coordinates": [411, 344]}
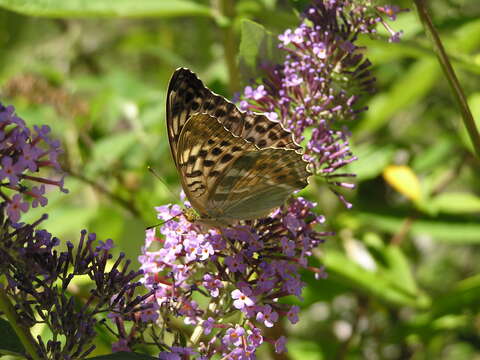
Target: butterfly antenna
{"type": "Point", "coordinates": [162, 181]}
{"type": "Point", "coordinates": [161, 223]}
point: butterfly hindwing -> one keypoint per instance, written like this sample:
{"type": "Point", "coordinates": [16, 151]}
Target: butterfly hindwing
{"type": "Point", "coordinates": [258, 181]}
{"type": "Point", "coordinates": [225, 176]}
{"type": "Point", "coordinates": [205, 151]}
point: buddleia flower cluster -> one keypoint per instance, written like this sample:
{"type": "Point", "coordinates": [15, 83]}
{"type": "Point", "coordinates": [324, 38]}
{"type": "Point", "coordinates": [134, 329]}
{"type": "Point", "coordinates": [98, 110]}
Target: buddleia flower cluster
{"type": "Point", "coordinates": [317, 89]}
{"type": "Point", "coordinates": [23, 154]}
{"type": "Point", "coordinates": [225, 285]}
{"type": "Point", "coordinates": [220, 290]}
{"type": "Point", "coordinates": [36, 270]}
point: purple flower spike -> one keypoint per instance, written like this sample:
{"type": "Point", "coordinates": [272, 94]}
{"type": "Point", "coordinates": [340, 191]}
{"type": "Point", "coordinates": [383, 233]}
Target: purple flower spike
{"type": "Point", "coordinates": [242, 298]}
{"type": "Point", "coordinates": [234, 336]}
{"type": "Point", "coordinates": [322, 79]}
{"type": "Point", "coordinates": [16, 206]}
{"type": "Point", "coordinates": [22, 154]}
{"type": "Point", "coordinates": [244, 271]}
{"type": "Point", "coordinates": [248, 265]}
{"type": "Point", "coordinates": [267, 316]}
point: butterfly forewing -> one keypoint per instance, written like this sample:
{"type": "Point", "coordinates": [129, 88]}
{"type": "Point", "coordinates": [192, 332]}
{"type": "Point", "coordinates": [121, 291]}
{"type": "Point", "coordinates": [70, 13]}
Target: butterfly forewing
{"type": "Point", "coordinates": [233, 165]}
{"type": "Point", "coordinates": [188, 95]}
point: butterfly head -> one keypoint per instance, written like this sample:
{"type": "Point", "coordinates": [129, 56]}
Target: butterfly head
{"type": "Point", "coordinates": [191, 215]}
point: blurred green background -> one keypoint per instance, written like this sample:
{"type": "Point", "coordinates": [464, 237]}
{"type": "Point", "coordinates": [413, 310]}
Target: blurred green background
{"type": "Point", "coordinates": [404, 269]}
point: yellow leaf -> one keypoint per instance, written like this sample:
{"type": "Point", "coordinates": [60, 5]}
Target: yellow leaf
{"type": "Point", "coordinates": [404, 180]}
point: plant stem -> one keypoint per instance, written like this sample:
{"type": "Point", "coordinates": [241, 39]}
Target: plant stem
{"type": "Point", "coordinates": [227, 9]}
{"type": "Point", "coordinates": [127, 204]}
{"type": "Point", "coordinates": [23, 333]}
{"type": "Point", "coordinates": [450, 74]}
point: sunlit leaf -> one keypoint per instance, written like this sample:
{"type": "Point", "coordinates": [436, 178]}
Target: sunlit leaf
{"type": "Point", "coordinates": [466, 232]}
{"type": "Point", "coordinates": [410, 87]}
{"type": "Point", "coordinates": [257, 46]}
{"type": "Point", "coordinates": [456, 203]}
{"type": "Point", "coordinates": [106, 8]}
{"type": "Point", "coordinates": [404, 180]}
{"type": "Point", "coordinates": [371, 161]}
{"type": "Point", "coordinates": [373, 283]}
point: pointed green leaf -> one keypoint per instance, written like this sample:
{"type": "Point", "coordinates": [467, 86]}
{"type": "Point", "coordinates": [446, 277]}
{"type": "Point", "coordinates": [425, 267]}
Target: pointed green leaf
{"type": "Point", "coordinates": [106, 8]}
{"type": "Point", "coordinates": [371, 282]}
{"type": "Point", "coordinates": [9, 340]}
{"type": "Point", "coordinates": [257, 46]}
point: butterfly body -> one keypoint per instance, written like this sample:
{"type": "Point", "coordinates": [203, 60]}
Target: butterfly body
{"type": "Point", "coordinates": [233, 165]}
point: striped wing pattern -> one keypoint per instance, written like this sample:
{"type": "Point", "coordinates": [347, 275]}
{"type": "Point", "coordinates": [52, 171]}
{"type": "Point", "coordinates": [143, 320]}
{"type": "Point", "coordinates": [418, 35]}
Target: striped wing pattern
{"type": "Point", "coordinates": [233, 165]}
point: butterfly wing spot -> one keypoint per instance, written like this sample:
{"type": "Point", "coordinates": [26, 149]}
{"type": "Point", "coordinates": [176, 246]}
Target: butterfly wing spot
{"type": "Point", "coordinates": [220, 113]}
{"type": "Point", "coordinates": [226, 158]}
{"type": "Point", "coordinates": [196, 173]}
{"type": "Point", "coordinates": [176, 109]}
{"type": "Point", "coordinates": [188, 97]}
{"type": "Point", "coordinates": [208, 105]}
{"type": "Point", "coordinates": [195, 105]}
{"type": "Point", "coordinates": [260, 129]}
{"type": "Point", "coordinates": [272, 136]}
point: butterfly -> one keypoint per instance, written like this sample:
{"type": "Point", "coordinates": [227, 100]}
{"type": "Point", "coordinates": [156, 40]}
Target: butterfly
{"type": "Point", "coordinates": [233, 165]}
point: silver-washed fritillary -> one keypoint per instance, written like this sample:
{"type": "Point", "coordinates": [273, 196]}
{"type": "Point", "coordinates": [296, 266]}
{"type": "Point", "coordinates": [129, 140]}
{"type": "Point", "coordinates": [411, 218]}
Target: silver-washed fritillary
{"type": "Point", "coordinates": [233, 165]}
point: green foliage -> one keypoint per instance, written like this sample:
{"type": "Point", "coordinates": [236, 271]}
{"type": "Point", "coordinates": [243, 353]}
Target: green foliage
{"type": "Point", "coordinates": [106, 8]}
{"type": "Point", "coordinates": [403, 276]}
{"type": "Point", "coordinates": [9, 341]}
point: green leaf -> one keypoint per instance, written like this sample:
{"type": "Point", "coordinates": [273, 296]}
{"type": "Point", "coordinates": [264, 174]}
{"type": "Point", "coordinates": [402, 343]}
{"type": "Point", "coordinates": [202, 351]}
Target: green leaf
{"type": "Point", "coordinates": [465, 38]}
{"type": "Point", "coordinates": [433, 156]}
{"type": "Point", "coordinates": [410, 88]}
{"type": "Point", "coordinates": [68, 219]}
{"type": "Point", "coordinates": [305, 350]}
{"type": "Point", "coordinates": [440, 230]}
{"type": "Point", "coordinates": [106, 8]}
{"type": "Point", "coordinates": [371, 160]}
{"type": "Point", "coordinates": [373, 283]}
{"type": "Point", "coordinates": [257, 45]}
{"type": "Point", "coordinates": [9, 340]}
{"type": "Point", "coordinates": [450, 307]}
{"type": "Point", "coordinates": [123, 355]}
{"type": "Point", "coordinates": [474, 103]}
{"type": "Point", "coordinates": [112, 148]}
{"type": "Point", "coordinates": [456, 203]}
{"type": "Point", "coordinates": [398, 269]}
